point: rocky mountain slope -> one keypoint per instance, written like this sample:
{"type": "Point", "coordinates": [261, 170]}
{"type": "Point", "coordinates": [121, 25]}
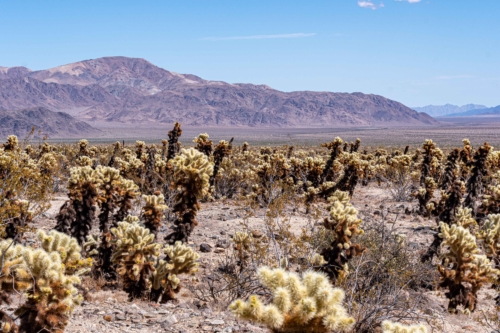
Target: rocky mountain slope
{"type": "Point", "coordinates": [54, 124]}
{"type": "Point", "coordinates": [447, 109]}
{"type": "Point", "coordinates": [129, 90]}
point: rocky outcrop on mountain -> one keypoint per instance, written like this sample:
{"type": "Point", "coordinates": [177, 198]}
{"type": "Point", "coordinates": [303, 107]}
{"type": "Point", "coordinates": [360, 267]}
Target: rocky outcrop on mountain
{"type": "Point", "coordinates": [53, 124]}
{"type": "Point", "coordinates": [13, 72]}
{"type": "Point", "coordinates": [129, 90]}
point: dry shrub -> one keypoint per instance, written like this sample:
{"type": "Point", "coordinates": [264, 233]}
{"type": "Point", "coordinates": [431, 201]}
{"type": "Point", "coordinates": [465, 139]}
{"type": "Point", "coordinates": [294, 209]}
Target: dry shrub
{"type": "Point", "coordinates": [386, 281]}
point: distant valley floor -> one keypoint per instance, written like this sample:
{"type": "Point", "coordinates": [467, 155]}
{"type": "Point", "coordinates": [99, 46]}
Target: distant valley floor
{"type": "Point", "coordinates": [450, 132]}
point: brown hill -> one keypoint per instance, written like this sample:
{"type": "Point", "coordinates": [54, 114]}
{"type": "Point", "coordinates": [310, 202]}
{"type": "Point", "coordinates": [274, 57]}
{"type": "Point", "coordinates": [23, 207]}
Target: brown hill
{"type": "Point", "coordinates": [129, 90]}
{"type": "Point", "coordinates": [54, 124]}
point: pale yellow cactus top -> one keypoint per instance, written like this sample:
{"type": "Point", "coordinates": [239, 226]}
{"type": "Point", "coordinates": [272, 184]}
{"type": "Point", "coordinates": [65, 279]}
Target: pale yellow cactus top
{"type": "Point", "coordinates": [39, 272]}
{"type": "Point", "coordinates": [203, 137]}
{"type": "Point", "coordinates": [193, 167]}
{"type": "Point", "coordinates": [306, 303]}
{"type": "Point", "coordinates": [243, 238]}
{"type": "Point", "coordinates": [464, 218]}
{"type": "Point", "coordinates": [347, 216]}
{"type": "Point", "coordinates": [84, 161]}
{"type": "Point", "coordinates": [131, 238]}
{"type": "Point", "coordinates": [68, 249]}
{"type": "Point", "coordinates": [341, 196]}
{"type": "Point", "coordinates": [155, 201]}
{"type": "Point", "coordinates": [80, 175]}
{"type": "Point", "coordinates": [180, 259]}
{"type": "Point", "coordinates": [12, 141]}
{"type": "Point", "coordinates": [459, 240]}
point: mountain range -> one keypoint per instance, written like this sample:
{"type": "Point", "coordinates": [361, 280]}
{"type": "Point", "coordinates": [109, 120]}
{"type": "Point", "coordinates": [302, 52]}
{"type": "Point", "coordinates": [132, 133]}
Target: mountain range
{"type": "Point", "coordinates": [448, 109]}
{"type": "Point", "coordinates": [55, 124]}
{"type": "Point", "coordinates": [131, 90]}
{"type": "Point", "coordinates": [494, 111]}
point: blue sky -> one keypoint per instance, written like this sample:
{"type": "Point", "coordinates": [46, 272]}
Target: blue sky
{"type": "Point", "coordinates": [416, 52]}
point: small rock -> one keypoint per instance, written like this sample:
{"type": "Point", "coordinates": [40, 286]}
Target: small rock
{"type": "Point", "coordinates": [217, 322]}
{"type": "Point", "coordinates": [257, 233]}
{"type": "Point", "coordinates": [108, 318]}
{"type": "Point", "coordinates": [224, 243]}
{"type": "Point", "coordinates": [204, 247]}
{"type": "Point", "coordinates": [169, 321]}
{"type": "Point", "coordinates": [219, 250]}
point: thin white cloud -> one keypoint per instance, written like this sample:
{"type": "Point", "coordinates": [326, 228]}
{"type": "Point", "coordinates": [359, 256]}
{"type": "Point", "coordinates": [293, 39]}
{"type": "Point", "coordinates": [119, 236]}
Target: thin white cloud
{"type": "Point", "coordinates": [409, 1]}
{"type": "Point", "coordinates": [453, 77]}
{"type": "Point", "coordinates": [295, 35]}
{"type": "Point", "coordinates": [370, 4]}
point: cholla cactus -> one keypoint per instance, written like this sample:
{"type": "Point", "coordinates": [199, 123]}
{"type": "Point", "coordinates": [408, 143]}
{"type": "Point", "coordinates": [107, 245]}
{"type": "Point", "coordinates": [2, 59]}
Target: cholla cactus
{"type": "Point", "coordinates": [173, 141]}
{"type": "Point", "coordinates": [335, 150]}
{"type": "Point", "coordinates": [203, 144]}
{"type": "Point", "coordinates": [153, 211]}
{"type": "Point", "coordinates": [344, 222]}
{"type": "Point", "coordinates": [490, 236]}
{"type": "Point", "coordinates": [242, 242]}
{"type": "Point", "coordinates": [127, 192]}
{"type": "Point", "coordinates": [300, 304]}
{"type": "Point", "coordinates": [138, 261]}
{"type": "Point", "coordinates": [479, 170]}
{"type": "Point", "coordinates": [179, 259]}
{"type": "Point", "coordinates": [429, 165]}
{"type": "Point", "coordinates": [83, 195]}
{"type": "Point", "coordinates": [462, 264]}
{"type": "Point", "coordinates": [451, 169]}
{"type": "Point", "coordinates": [222, 149]}
{"type": "Point", "coordinates": [134, 254]}
{"type": "Point", "coordinates": [390, 327]}
{"type": "Point", "coordinates": [192, 171]}
{"type": "Point", "coordinates": [68, 249]}
{"type": "Point", "coordinates": [47, 283]}
{"type": "Point", "coordinates": [491, 201]}
{"type": "Point", "coordinates": [424, 195]}
{"type": "Point", "coordinates": [18, 216]}
{"type": "Point", "coordinates": [12, 143]}
{"type": "Point", "coordinates": [464, 218]}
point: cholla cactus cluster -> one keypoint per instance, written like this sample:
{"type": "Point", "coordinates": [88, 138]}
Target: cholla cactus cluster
{"type": "Point", "coordinates": [306, 303]}
{"type": "Point", "coordinates": [461, 190]}
{"type": "Point", "coordinates": [464, 271]}
{"type": "Point", "coordinates": [345, 224]}
{"type": "Point", "coordinates": [192, 171]}
{"type": "Point", "coordinates": [153, 211]}
{"type": "Point", "coordinates": [26, 183]}
{"type": "Point", "coordinates": [45, 278]}
{"type": "Point", "coordinates": [203, 144]}
{"type": "Point", "coordinates": [89, 188]}
{"type": "Point", "coordinates": [144, 273]}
